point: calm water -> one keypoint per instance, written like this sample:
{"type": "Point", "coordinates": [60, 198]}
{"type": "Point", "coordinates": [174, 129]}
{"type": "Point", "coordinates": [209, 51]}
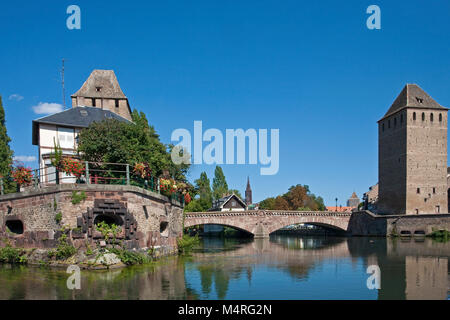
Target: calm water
{"type": "Point", "coordinates": [283, 267]}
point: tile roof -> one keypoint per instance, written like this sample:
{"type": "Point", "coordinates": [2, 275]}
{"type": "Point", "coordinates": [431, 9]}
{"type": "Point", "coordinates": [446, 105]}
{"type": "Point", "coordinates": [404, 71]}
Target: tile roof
{"type": "Point", "coordinates": [412, 96]}
{"type": "Point", "coordinates": [105, 81]}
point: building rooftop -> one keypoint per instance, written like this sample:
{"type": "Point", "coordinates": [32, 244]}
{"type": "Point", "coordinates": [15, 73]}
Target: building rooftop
{"type": "Point", "coordinates": [412, 96]}
{"type": "Point", "coordinates": [101, 84]}
{"type": "Point", "coordinates": [78, 117]}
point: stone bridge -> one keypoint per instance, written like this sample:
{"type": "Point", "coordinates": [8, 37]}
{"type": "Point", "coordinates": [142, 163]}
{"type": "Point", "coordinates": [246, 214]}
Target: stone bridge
{"type": "Point", "coordinates": [261, 223]}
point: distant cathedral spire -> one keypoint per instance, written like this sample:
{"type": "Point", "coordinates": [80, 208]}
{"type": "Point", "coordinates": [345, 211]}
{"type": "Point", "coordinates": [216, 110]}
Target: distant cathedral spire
{"type": "Point", "coordinates": [248, 193]}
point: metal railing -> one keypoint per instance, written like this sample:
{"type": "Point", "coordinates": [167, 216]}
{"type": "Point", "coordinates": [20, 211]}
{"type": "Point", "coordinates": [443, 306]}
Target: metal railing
{"type": "Point", "coordinates": [95, 173]}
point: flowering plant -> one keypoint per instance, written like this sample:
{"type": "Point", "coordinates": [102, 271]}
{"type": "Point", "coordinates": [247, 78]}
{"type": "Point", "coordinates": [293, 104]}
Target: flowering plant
{"type": "Point", "coordinates": [22, 175]}
{"type": "Point", "coordinates": [71, 166]}
{"type": "Point", "coordinates": [187, 198]}
{"type": "Point", "coordinates": [167, 186]}
{"type": "Point", "coordinates": [142, 169]}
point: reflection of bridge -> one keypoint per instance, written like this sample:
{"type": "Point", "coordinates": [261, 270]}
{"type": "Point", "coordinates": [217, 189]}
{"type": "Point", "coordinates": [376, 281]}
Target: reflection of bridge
{"type": "Point", "coordinates": [261, 223]}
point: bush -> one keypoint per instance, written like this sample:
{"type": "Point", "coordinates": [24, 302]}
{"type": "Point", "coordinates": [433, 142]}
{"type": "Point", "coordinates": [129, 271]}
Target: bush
{"type": "Point", "coordinates": [9, 254]}
{"type": "Point", "coordinates": [64, 250]}
{"type": "Point", "coordinates": [440, 235]}
{"type": "Point", "coordinates": [187, 243]}
{"type": "Point", "coordinates": [77, 198]}
{"type": "Point", "coordinates": [130, 257]}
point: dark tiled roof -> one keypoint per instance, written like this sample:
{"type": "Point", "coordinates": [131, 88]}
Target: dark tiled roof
{"type": "Point", "coordinates": [221, 202]}
{"type": "Point", "coordinates": [412, 96]}
{"type": "Point", "coordinates": [105, 81]}
{"type": "Point", "coordinates": [79, 117]}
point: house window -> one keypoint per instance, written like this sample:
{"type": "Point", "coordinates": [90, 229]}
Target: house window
{"type": "Point", "coordinates": [434, 190]}
{"type": "Point", "coordinates": [431, 117]}
{"type": "Point", "coordinates": [440, 117]}
{"type": "Point", "coordinates": [423, 116]}
{"type": "Point", "coordinates": [93, 102]}
{"type": "Point", "coordinates": [98, 89]}
{"type": "Point", "coordinates": [414, 116]}
{"type": "Point", "coordinates": [233, 203]}
{"type": "Point", "coordinates": [418, 190]}
{"type": "Point", "coordinates": [117, 103]}
{"type": "Point", "coordinates": [419, 100]}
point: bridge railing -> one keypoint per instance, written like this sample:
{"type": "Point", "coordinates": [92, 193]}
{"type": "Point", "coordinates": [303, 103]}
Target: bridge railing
{"type": "Point", "coordinates": [93, 173]}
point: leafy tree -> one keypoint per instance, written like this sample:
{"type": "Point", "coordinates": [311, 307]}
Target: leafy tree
{"type": "Point", "coordinates": [220, 186]}
{"type": "Point", "coordinates": [298, 197]}
{"type": "Point", "coordinates": [5, 153]}
{"type": "Point", "coordinates": [236, 192]}
{"type": "Point", "coordinates": [203, 188]}
{"type": "Point", "coordinates": [115, 141]}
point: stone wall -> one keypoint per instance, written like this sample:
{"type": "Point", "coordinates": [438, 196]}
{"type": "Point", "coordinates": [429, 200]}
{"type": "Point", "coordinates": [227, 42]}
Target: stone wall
{"type": "Point", "coordinates": [365, 223]}
{"type": "Point", "coordinates": [158, 221]}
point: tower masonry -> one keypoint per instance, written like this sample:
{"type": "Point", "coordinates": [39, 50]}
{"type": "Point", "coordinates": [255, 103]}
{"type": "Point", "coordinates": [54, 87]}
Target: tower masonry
{"type": "Point", "coordinates": [412, 155]}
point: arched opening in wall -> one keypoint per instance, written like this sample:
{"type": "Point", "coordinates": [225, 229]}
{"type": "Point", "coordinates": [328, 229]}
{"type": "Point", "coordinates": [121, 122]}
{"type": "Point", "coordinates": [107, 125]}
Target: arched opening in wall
{"type": "Point", "coordinates": [14, 226]}
{"type": "Point", "coordinates": [108, 219]}
{"type": "Point", "coordinates": [309, 229]}
{"type": "Point", "coordinates": [217, 230]}
{"type": "Point", "coordinates": [163, 228]}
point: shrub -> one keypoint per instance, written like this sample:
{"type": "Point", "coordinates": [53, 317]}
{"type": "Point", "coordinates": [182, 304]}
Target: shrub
{"type": "Point", "coordinates": [108, 231]}
{"type": "Point", "coordinates": [187, 243]}
{"type": "Point", "coordinates": [64, 250]}
{"type": "Point", "coordinates": [9, 254]}
{"type": "Point", "coordinates": [77, 198]}
{"type": "Point", "coordinates": [58, 217]}
{"type": "Point", "coordinates": [130, 257]}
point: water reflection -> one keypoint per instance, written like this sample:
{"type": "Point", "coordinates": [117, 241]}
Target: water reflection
{"type": "Point", "coordinates": [283, 267]}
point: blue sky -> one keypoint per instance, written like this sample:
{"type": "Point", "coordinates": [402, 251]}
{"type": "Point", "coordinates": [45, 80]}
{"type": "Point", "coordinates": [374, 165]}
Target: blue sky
{"type": "Point", "coordinates": [311, 69]}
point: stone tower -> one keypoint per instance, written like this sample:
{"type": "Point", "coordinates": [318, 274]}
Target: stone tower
{"type": "Point", "coordinates": [412, 155]}
{"type": "Point", "coordinates": [353, 201]}
{"type": "Point", "coordinates": [248, 193]}
{"type": "Point", "coordinates": [102, 90]}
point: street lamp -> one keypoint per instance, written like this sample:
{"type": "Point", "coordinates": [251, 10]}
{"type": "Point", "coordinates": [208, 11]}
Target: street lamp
{"type": "Point", "coordinates": [336, 204]}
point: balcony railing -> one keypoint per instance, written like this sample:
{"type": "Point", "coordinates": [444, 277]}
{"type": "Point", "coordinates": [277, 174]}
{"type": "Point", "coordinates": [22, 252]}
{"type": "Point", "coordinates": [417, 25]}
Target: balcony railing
{"type": "Point", "coordinates": [95, 173]}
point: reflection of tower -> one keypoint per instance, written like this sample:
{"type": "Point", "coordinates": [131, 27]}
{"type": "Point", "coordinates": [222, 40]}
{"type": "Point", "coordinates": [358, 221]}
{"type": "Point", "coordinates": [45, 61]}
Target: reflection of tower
{"type": "Point", "coordinates": [248, 193]}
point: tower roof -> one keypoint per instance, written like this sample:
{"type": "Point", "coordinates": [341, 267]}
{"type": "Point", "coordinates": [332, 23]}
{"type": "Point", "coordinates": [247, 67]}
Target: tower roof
{"type": "Point", "coordinates": [248, 184]}
{"type": "Point", "coordinates": [412, 96]}
{"type": "Point", "coordinates": [101, 84]}
{"type": "Point", "coordinates": [354, 196]}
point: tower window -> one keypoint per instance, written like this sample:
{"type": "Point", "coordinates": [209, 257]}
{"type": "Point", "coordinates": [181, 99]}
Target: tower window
{"type": "Point", "coordinates": [414, 116]}
{"type": "Point", "coordinates": [93, 102]}
{"type": "Point", "coordinates": [431, 117]}
{"type": "Point", "coordinates": [423, 116]}
{"type": "Point", "coordinates": [419, 100]}
{"type": "Point", "coordinates": [440, 117]}
{"type": "Point", "coordinates": [434, 190]}
{"type": "Point", "coordinates": [117, 103]}
{"type": "Point", "coordinates": [418, 190]}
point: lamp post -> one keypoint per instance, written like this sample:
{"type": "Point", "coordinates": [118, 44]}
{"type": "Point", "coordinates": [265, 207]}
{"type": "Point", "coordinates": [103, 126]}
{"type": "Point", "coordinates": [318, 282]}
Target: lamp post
{"type": "Point", "coordinates": [336, 204]}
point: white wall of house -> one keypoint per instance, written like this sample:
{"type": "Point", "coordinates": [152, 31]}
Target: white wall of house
{"type": "Point", "coordinates": [48, 135]}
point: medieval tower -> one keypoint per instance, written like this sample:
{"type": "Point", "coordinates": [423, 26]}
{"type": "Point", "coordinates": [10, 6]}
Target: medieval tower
{"type": "Point", "coordinates": [248, 193]}
{"type": "Point", "coordinates": [102, 90]}
{"type": "Point", "coordinates": [412, 155]}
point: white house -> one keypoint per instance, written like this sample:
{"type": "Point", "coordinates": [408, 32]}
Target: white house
{"type": "Point", "coordinates": [107, 102]}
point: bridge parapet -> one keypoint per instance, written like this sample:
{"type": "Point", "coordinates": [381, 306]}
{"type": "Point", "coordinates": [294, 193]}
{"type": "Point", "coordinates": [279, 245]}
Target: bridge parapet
{"type": "Point", "coordinates": [261, 223]}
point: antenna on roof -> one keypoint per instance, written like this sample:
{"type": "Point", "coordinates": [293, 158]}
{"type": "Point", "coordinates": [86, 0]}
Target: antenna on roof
{"type": "Point", "coordinates": [62, 81]}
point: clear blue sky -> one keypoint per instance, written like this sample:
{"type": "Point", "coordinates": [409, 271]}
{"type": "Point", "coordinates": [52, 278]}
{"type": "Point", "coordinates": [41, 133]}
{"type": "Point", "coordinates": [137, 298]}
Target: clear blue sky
{"type": "Point", "coordinates": [310, 68]}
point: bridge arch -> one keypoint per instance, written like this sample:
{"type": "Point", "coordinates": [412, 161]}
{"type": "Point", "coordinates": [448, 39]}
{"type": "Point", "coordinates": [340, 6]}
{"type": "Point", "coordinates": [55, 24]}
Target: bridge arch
{"type": "Point", "coordinates": [261, 223]}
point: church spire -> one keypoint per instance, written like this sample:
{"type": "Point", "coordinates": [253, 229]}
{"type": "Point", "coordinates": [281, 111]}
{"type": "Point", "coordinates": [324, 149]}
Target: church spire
{"type": "Point", "coordinates": [248, 193]}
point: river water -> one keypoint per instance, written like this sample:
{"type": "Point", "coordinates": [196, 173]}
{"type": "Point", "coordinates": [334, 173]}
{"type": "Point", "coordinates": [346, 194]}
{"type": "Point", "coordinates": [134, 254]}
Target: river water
{"type": "Point", "coordinates": [284, 267]}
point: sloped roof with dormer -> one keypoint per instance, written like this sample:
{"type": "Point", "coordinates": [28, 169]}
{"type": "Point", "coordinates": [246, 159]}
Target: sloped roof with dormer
{"type": "Point", "coordinates": [218, 204]}
{"type": "Point", "coordinates": [412, 96]}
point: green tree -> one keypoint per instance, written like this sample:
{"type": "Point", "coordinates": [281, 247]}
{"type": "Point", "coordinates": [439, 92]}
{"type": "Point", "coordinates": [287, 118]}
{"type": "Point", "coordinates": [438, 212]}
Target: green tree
{"type": "Point", "coordinates": [5, 153]}
{"type": "Point", "coordinates": [115, 141]}
{"type": "Point", "coordinates": [220, 186]}
{"type": "Point", "coordinates": [203, 188]}
{"type": "Point", "coordinates": [236, 192]}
